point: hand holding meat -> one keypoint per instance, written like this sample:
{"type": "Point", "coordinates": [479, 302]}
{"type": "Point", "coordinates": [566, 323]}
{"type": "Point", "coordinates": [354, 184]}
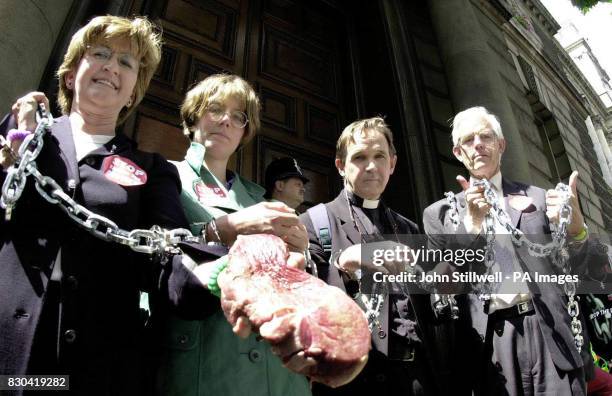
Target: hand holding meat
{"type": "Point", "coordinates": [316, 329]}
{"type": "Point", "coordinates": [265, 218]}
{"type": "Point", "coordinates": [243, 326]}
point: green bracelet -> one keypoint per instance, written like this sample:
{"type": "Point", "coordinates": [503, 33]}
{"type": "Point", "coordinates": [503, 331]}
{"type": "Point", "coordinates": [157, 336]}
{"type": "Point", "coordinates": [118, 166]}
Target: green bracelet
{"type": "Point", "coordinates": [581, 236]}
{"type": "Point", "coordinates": [213, 286]}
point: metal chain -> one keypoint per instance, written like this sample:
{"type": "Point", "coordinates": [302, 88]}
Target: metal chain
{"type": "Point", "coordinates": [518, 237]}
{"type": "Point", "coordinates": [556, 249]}
{"type": "Point", "coordinates": [444, 305]}
{"type": "Point", "coordinates": [152, 241]}
{"type": "Point", "coordinates": [24, 164]}
{"type": "Point", "coordinates": [374, 303]}
{"type": "Point", "coordinates": [454, 211]}
{"type": "Point", "coordinates": [373, 306]}
{"type": "Point", "coordinates": [485, 289]}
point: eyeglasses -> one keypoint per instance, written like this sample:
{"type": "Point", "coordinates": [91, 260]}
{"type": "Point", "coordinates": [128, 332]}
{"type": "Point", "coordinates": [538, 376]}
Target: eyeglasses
{"type": "Point", "coordinates": [102, 54]}
{"type": "Point", "coordinates": [238, 119]}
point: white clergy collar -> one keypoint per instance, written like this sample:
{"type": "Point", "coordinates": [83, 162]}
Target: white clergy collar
{"type": "Point", "coordinates": [362, 202]}
{"type": "Point", "coordinates": [370, 203]}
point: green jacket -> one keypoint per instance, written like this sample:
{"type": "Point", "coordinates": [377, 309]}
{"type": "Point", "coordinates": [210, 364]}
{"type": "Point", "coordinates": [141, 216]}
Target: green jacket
{"type": "Point", "coordinates": [205, 357]}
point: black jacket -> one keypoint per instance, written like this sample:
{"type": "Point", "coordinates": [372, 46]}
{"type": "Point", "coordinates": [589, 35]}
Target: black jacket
{"type": "Point", "coordinates": [380, 374]}
{"type": "Point", "coordinates": [101, 332]}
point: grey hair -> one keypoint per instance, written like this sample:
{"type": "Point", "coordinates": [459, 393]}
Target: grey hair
{"type": "Point", "coordinates": [473, 119]}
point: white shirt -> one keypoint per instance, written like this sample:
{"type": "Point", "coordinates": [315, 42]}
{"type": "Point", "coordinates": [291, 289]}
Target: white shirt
{"type": "Point", "coordinates": [84, 143]}
{"type": "Point", "coordinates": [515, 292]}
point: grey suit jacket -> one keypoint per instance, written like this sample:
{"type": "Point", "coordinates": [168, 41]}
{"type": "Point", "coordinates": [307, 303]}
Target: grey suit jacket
{"type": "Point", "coordinates": [549, 301]}
{"type": "Point", "coordinates": [345, 235]}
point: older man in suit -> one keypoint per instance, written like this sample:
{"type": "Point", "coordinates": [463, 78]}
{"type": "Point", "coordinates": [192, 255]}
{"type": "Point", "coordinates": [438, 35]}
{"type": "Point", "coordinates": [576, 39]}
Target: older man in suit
{"type": "Point", "coordinates": [519, 342]}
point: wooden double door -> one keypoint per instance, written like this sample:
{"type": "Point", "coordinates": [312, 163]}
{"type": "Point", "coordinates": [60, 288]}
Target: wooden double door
{"type": "Point", "coordinates": [296, 54]}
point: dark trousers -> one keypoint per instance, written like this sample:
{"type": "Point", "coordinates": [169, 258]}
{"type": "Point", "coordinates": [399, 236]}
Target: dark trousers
{"type": "Point", "coordinates": [382, 377]}
{"type": "Point", "coordinates": [518, 361]}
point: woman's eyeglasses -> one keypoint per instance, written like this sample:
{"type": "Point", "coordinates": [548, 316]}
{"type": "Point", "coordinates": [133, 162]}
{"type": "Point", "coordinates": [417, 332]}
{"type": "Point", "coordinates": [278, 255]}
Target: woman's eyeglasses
{"type": "Point", "coordinates": [103, 54]}
{"type": "Point", "coordinates": [238, 119]}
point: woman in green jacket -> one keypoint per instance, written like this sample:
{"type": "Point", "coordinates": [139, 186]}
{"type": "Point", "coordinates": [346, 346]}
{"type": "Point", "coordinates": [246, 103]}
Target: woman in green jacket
{"type": "Point", "coordinates": [205, 357]}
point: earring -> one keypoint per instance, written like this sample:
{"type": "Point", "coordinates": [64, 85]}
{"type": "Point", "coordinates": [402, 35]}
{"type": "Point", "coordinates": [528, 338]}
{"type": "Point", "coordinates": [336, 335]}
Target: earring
{"type": "Point", "coordinates": [69, 85]}
{"type": "Point", "coordinates": [129, 103]}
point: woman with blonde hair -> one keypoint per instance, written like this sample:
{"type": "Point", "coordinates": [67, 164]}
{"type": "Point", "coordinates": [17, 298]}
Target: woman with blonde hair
{"type": "Point", "coordinates": [220, 114]}
{"type": "Point", "coordinates": [70, 299]}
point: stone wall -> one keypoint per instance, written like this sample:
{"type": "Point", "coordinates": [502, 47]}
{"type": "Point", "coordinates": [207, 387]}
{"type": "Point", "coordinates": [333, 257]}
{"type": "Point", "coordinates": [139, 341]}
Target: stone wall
{"type": "Point", "coordinates": [437, 103]}
{"type": "Point", "coordinates": [30, 29]}
{"type": "Point", "coordinates": [548, 111]}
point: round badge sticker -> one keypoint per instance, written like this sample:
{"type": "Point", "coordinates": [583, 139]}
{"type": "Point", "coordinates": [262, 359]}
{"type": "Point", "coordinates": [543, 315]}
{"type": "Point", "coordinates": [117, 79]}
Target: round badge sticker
{"type": "Point", "coordinates": [206, 192]}
{"type": "Point", "coordinates": [123, 171]}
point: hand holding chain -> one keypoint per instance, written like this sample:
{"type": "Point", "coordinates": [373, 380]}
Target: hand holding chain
{"type": "Point", "coordinates": [24, 165]}
{"type": "Point", "coordinates": [153, 241]}
{"type": "Point", "coordinates": [556, 249]}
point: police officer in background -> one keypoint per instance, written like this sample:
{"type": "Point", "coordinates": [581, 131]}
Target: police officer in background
{"type": "Point", "coordinates": [285, 182]}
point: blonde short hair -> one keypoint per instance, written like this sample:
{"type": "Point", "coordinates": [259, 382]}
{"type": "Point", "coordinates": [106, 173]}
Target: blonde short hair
{"type": "Point", "coordinates": [219, 88]}
{"type": "Point", "coordinates": [472, 120]}
{"type": "Point", "coordinates": [145, 40]}
{"type": "Point", "coordinates": [366, 125]}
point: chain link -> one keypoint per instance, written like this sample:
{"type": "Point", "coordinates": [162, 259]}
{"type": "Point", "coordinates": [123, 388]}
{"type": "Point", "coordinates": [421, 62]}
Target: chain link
{"type": "Point", "coordinates": [24, 164]}
{"type": "Point", "coordinates": [454, 211]}
{"type": "Point", "coordinates": [153, 241]}
{"type": "Point", "coordinates": [556, 249]}
{"type": "Point", "coordinates": [373, 305]}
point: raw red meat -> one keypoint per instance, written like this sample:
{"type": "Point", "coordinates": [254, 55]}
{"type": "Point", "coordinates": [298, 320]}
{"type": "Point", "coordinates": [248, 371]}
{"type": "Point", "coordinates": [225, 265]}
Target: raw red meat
{"type": "Point", "coordinates": [293, 310]}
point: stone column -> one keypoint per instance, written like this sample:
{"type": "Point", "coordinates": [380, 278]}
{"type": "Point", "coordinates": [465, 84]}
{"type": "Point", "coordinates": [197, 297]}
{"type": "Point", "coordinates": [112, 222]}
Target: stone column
{"type": "Point", "coordinates": [602, 151]}
{"type": "Point", "coordinates": [473, 78]}
{"type": "Point", "coordinates": [29, 31]}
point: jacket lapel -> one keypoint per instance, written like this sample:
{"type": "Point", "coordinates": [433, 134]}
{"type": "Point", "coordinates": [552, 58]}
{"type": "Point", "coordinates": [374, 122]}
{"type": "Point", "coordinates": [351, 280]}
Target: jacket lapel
{"type": "Point", "coordinates": [62, 132]}
{"type": "Point", "coordinates": [340, 209]}
{"type": "Point", "coordinates": [240, 195]}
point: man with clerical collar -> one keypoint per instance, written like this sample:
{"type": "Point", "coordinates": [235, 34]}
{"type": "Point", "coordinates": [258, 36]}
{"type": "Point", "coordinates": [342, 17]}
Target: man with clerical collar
{"type": "Point", "coordinates": [520, 341]}
{"type": "Point", "coordinates": [366, 158]}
